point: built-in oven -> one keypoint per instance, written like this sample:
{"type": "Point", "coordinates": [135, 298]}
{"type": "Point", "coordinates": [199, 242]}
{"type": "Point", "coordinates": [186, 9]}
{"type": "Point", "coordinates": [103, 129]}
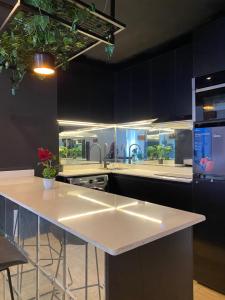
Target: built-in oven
{"type": "Point", "coordinates": [209, 97]}
{"type": "Point", "coordinates": [209, 151]}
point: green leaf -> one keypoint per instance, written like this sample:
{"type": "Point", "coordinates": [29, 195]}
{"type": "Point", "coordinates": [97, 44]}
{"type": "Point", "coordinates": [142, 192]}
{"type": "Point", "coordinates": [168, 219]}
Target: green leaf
{"type": "Point", "coordinates": [79, 44]}
{"type": "Point", "coordinates": [40, 22]}
{"type": "Point", "coordinates": [67, 41]}
{"type": "Point", "coordinates": [109, 49]}
{"type": "Point", "coordinates": [74, 26]}
{"type": "Point", "coordinates": [92, 7]}
{"type": "Point", "coordinates": [3, 52]}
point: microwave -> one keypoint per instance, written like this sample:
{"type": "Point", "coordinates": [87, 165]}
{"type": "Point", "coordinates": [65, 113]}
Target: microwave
{"type": "Point", "coordinates": [209, 97]}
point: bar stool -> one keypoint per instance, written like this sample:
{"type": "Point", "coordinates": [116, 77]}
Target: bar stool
{"type": "Point", "coordinates": [9, 256]}
{"type": "Point", "coordinates": [73, 240]}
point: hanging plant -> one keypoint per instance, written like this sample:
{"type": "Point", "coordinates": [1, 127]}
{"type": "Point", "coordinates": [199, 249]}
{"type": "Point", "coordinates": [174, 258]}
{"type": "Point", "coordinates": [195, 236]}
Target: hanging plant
{"type": "Point", "coordinates": [30, 33]}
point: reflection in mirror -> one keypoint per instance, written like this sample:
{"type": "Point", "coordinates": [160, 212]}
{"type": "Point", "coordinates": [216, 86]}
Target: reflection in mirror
{"type": "Point", "coordinates": [142, 142]}
{"type": "Point", "coordinates": [86, 144]}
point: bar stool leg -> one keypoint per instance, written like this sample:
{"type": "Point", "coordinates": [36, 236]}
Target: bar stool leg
{"type": "Point", "coordinates": [10, 284]}
{"type": "Point", "coordinates": [86, 272]}
{"type": "Point", "coordinates": [98, 277]}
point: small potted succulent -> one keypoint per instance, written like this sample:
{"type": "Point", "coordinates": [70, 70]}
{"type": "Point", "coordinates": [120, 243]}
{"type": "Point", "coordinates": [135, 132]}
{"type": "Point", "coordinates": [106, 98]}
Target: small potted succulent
{"type": "Point", "coordinates": [50, 167]}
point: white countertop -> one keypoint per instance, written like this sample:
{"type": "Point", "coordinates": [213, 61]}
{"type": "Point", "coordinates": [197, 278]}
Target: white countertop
{"type": "Point", "coordinates": [112, 223]}
{"type": "Point", "coordinates": [179, 174]}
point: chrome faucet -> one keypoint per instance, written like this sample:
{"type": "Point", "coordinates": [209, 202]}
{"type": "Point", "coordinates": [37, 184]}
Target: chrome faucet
{"type": "Point", "coordinates": [130, 150]}
{"type": "Point", "coordinates": [106, 146]}
{"type": "Point", "coordinates": [100, 150]}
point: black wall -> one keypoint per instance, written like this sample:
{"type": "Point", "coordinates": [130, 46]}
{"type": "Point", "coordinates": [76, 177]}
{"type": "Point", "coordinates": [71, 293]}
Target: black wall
{"type": "Point", "coordinates": [27, 121]}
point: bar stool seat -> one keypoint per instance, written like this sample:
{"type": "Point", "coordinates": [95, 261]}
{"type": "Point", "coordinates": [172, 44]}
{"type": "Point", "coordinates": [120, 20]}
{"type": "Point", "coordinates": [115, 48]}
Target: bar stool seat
{"type": "Point", "coordinates": [9, 256]}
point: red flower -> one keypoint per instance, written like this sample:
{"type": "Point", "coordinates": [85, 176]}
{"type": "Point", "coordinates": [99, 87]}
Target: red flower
{"type": "Point", "coordinates": [44, 154]}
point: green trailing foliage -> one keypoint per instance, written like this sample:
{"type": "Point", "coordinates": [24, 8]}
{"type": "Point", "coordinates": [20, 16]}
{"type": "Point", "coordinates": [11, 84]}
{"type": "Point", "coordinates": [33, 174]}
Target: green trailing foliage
{"type": "Point", "coordinates": [30, 33]}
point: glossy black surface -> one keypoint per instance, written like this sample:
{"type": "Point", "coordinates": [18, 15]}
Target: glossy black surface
{"type": "Point", "coordinates": [85, 92]}
{"type": "Point", "coordinates": [156, 88]}
{"type": "Point", "coordinates": [209, 48]}
{"type": "Point", "coordinates": [168, 193]}
{"type": "Point", "coordinates": [210, 80]}
{"type": "Point", "coordinates": [209, 236]}
{"type": "Point", "coordinates": [160, 270]}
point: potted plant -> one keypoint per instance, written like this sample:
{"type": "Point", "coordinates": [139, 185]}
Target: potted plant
{"type": "Point", "coordinates": [160, 153]}
{"type": "Point", "coordinates": [151, 152]}
{"type": "Point", "coordinates": [167, 151]}
{"type": "Point", "coordinates": [50, 167]}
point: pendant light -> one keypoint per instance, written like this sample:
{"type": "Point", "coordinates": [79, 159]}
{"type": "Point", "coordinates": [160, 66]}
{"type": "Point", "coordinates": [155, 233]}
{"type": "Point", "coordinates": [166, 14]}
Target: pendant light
{"type": "Point", "coordinates": [44, 64]}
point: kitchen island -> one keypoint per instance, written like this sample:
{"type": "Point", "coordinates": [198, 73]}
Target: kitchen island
{"type": "Point", "coordinates": [89, 245]}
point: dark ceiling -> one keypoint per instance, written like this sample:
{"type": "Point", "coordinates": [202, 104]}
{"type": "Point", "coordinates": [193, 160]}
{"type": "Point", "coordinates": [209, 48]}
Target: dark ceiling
{"type": "Point", "coordinates": [151, 23]}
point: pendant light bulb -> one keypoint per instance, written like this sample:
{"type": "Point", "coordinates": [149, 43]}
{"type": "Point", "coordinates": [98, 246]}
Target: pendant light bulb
{"type": "Point", "coordinates": [44, 64]}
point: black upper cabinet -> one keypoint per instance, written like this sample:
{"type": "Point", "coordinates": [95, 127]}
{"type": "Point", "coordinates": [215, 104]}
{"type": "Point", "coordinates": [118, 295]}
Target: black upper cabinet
{"type": "Point", "coordinates": [183, 84]}
{"type": "Point", "coordinates": [209, 48]}
{"type": "Point", "coordinates": [157, 88]}
{"type": "Point", "coordinates": [122, 99]}
{"type": "Point", "coordinates": [163, 86]}
{"type": "Point", "coordinates": [140, 91]}
{"type": "Point", "coordinates": [85, 93]}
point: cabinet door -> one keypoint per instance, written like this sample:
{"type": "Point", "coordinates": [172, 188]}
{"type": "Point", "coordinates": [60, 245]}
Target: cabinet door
{"type": "Point", "coordinates": [167, 193]}
{"type": "Point", "coordinates": [122, 104]}
{"type": "Point", "coordinates": [209, 236]}
{"type": "Point", "coordinates": [140, 92]}
{"type": "Point", "coordinates": [85, 93]}
{"type": "Point", "coordinates": [163, 86]}
{"type": "Point", "coordinates": [209, 48]}
{"type": "Point", "coordinates": [183, 86]}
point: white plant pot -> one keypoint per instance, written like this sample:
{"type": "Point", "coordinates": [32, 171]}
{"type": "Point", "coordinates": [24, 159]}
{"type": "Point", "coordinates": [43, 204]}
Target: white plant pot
{"type": "Point", "coordinates": [48, 183]}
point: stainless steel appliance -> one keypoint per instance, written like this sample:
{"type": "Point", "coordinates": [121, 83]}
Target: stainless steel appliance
{"type": "Point", "coordinates": [209, 199]}
{"type": "Point", "coordinates": [209, 97]}
{"type": "Point", "coordinates": [97, 182]}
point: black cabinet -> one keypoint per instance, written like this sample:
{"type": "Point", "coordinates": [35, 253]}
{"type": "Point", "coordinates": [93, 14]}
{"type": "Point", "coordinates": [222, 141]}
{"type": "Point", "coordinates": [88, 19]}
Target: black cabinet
{"type": "Point", "coordinates": [183, 82]}
{"type": "Point", "coordinates": [141, 106]}
{"type": "Point", "coordinates": [122, 99]}
{"type": "Point", "coordinates": [209, 236]}
{"type": "Point", "coordinates": [209, 48]}
{"type": "Point", "coordinates": [163, 85]}
{"type": "Point", "coordinates": [155, 88]}
{"type": "Point", "coordinates": [85, 93]}
{"type": "Point", "coordinates": [168, 193]}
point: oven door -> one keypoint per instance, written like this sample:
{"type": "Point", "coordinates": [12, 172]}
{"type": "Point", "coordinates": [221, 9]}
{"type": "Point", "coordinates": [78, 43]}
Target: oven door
{"type": "Point", "coordinates": [210, 103]}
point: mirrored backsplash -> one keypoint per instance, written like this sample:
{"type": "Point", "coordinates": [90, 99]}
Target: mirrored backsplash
{"type": "Point", "coordinates": [143, 142]}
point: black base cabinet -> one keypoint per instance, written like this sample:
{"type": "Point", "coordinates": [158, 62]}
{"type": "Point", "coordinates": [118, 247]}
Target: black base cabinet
{"type": "Point", "coordinates": [168, 193]}
{"type": "Point", "coordinates": [209, 236]}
